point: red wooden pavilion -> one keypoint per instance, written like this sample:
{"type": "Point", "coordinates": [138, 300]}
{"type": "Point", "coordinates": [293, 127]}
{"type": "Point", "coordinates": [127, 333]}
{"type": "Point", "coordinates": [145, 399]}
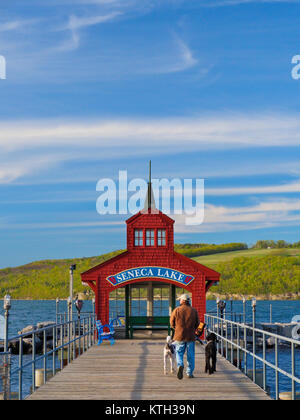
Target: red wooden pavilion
{"type": "Point", "coordinates": [149, 261]}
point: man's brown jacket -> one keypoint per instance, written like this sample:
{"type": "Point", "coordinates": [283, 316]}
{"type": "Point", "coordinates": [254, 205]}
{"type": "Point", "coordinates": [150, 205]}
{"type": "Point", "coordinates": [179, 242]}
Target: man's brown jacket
{"type": "Point", "coordinates": [184, 320]}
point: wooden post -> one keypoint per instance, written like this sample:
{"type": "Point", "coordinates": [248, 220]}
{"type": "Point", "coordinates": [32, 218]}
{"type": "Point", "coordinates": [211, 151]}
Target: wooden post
{"type": "Point", "coordinates": [127, 310]}
{"type": "Point", "coordinates": [150, 299]}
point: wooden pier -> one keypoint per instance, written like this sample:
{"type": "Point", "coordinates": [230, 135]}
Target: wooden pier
{"type": "Point", "coordinates": [133, 370]}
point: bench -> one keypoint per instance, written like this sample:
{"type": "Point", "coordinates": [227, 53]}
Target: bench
{"type": "Point", "coordinates": [148, 323]}
{"type": "Point", "coordinates": [105, 335]}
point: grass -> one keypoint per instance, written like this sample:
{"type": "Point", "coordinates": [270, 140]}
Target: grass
{"type": "Point", "coordinates": [212, 260]}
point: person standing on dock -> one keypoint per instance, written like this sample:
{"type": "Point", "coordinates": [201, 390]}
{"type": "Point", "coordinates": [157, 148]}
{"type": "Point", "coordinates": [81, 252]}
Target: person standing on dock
{"type": "Point", "coordinates": [185, 320]}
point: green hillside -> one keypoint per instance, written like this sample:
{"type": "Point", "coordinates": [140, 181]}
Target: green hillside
{"type": "Point", "coordinates": [47, 279]}
{"type": "Point", "coordinates": [245, 271]}
{"type": "Point", "coordinates": [259, 272]}
{"type": "Point", "coordinates": [212, 260]}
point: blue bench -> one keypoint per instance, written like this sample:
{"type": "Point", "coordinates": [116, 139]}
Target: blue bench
{"type": "Point", "coordinates": [109, 335]}
{"type": "Point", "coordinates": [105, 335]}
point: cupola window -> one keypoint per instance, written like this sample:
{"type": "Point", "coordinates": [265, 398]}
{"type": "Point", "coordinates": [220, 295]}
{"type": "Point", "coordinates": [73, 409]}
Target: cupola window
{"type": "Point", "coordinates": [161, 237]}
{"type": "Point", "coordinates": [138, 237]}
{"type": "Point", "coordinates": [149, 237]}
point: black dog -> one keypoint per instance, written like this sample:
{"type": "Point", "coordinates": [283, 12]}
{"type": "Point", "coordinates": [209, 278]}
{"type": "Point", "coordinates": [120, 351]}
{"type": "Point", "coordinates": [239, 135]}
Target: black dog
{"type": "Point", "coordinates": [211, 353]}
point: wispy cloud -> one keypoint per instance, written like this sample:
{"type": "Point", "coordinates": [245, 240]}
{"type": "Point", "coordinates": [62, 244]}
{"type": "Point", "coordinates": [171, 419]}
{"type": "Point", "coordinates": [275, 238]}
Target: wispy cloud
{"type": "Point", "coordinates": [292, 187]}
{"type": "Point", "coordinates": [61, 225]}
{"type": "Point", "coordinates": [76, 22]}
{"type": "Point", "coordinates": [208, 132]}
{"type": "Point", "coordinates": [14, 25]}
{"type": "Point", "coordinates": [223, 3]}
{"type": "Point", "coordinates": [264, 215]}
{"type": "Point", "coordinates": [57, 141]}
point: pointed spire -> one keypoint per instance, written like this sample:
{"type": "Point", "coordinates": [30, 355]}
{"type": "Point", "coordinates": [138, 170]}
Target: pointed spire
{"type": "Point", "coordinates": [149, 187]}
{"type": "Point", "coordinates": [149, 201]}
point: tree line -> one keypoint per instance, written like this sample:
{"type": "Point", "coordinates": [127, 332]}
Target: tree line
{"type": "Point", "coordinates": [270, 244]}
{"type": "Point", "coordinates": [197, 250]}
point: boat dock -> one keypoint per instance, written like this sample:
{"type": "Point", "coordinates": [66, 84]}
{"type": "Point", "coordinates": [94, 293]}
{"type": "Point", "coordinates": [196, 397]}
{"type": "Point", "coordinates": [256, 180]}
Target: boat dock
{"type": "Point", "coordinates": [133, 370]}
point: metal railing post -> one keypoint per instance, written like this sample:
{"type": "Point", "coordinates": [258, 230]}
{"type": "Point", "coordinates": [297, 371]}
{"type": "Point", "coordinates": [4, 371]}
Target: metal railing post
{"type": "Point", "coordinates": [69, 339]}
{"type": "Point", "coordinates": [245, 349]}
{"type": "Point", "coordinates": [226, 338]}
{"type": "Point", "coordinates": [44, 354]}
{"type": "Point", "coordinates": [238, 348]}
{"type": "Point", "coordinates": [276, 371]}
{"type": "Point", "coordinates": [253, 338]}
{"type": "Point", "coordinates": [264, 363]}
{"type": "Point", "coordinates": [75, 341]}
{"type": "Point", "coordinates": [54, 352]}
{"type": "Point", "coordinates": [20, 367]}
{"type": "Point", "coordinates": [231, 338]}
{"type": "Point", "coordinates": [33, 361]}
{"type": "Point", "coordinates": [293, 370]}
{"type": "Point", "coordinates": [62, 342]}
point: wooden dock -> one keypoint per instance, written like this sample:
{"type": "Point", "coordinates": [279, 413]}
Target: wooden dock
{"type": "Point", "coordinates": [133, 370]}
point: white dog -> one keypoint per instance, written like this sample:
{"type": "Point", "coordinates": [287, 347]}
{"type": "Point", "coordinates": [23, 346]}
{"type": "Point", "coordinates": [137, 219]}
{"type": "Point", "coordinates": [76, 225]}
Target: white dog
{"type": "Point", "coordinates": [169, 353]}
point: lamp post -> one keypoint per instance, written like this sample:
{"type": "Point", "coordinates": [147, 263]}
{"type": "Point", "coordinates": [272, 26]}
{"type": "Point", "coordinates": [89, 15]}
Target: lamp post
{"type": "Point", "coordinates": [78, 305]}
{"type": "Point", "coordinates": [244, 309]}
{"type": "Point", "coordinates": [217, 302]}
{"type": "Point", "coordinates": [69, 302]}
{"type": "Point", "coordinates": [56, 309]}
{"type": "Point", "coordinates": [221, 306]}
{"type": "Point", "coordinates": [93, 304]}
{"type": "Point", "coordinates": [253, 311]}
{"type": "Point", "coordinates": [6, 306]}
{"type": "Point", "coordinates": [72, 268]}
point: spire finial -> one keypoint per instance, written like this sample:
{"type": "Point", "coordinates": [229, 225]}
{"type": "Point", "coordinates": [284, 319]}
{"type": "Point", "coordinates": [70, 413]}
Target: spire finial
{"type": "Point", "coordinates": [149, 187]}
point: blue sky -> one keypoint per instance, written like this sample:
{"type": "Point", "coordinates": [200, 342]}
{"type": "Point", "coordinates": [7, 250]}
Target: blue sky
{"type": "Point", "coordinates": [203, 88]}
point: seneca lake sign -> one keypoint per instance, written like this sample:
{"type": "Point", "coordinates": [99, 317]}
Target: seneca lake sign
{"type": "Point", "coordinates": [138, 273]}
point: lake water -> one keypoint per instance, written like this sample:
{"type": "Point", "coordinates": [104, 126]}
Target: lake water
{"type": "Point", "coordinates": [25, 312]}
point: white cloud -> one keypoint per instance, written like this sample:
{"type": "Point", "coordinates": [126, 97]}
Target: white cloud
{"type": "Point", "coordinates": [196, 133]}
{"type": "Point", "coordinates": [264, 215]}
{"type": "Point", "coordinates": [76, 22]}
{"type": "Point", "coordinates": [51, 142]}
{"type": "Point", "coordinates": [16, 24]}
{"type": "Point", "coordinates": [61, 225]}
{"type": "Point", "coordinates": [292, 187]}
{"type": "Point", "coordinates": [182, 60]}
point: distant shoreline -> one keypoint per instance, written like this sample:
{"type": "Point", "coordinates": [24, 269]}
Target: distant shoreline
{"type": "Point", "coordinates": [287, 296]}
{"type": "Point", "coordinates": [209, 296]}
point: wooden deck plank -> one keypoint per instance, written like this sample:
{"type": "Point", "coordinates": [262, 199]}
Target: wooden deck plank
{"type": "Point", "coordinates": [133, 370]}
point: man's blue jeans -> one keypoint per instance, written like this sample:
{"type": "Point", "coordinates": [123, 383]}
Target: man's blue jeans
{"type": "Point", "coordinates": [189, 347]}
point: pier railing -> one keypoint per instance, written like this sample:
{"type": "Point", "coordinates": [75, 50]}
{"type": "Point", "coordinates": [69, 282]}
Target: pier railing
{"type": "Point", "coordinates": [50, 349]}
{"type": "Point", "coordinates": [246, 347]}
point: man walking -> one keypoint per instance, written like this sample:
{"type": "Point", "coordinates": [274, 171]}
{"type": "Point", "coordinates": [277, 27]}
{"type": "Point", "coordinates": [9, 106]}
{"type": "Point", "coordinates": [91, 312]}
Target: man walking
{"type": "Point", "coordinates": [185, 320]}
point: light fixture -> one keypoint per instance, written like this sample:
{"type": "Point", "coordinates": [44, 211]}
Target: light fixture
{"type": "Point", "coordinates": [7, 302]}
{"type": "Point", "coordinates": [253, 302]}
